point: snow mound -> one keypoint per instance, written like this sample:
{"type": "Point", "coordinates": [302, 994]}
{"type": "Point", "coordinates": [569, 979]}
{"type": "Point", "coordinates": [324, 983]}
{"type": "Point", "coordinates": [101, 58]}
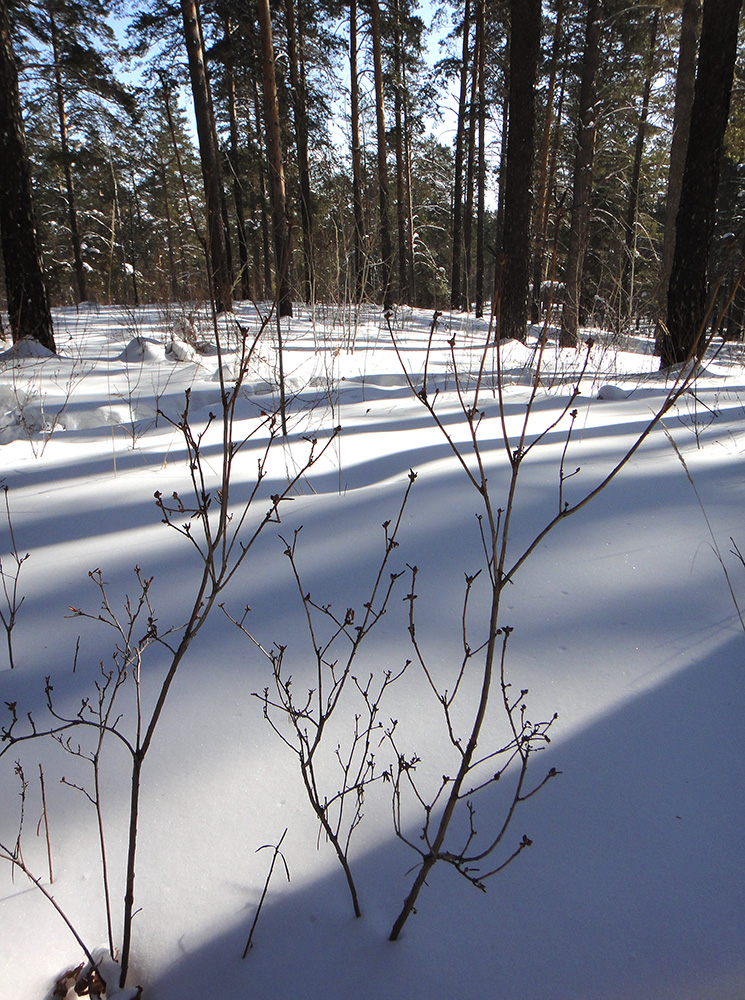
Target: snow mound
{"type": "Point", "coordinates": [179, 350]}
{"type": "Point", "coordinates": [26, 348]}
{"type": "Point", "coordinates": [141, 349]}
{"type": "Point", "coordinates": [228, 375]}
{"type": "Point", "coordinates": [612, 392]}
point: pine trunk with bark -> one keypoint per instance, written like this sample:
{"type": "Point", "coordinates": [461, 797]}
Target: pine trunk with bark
{"type": "Point", "coordinates": [685, 79]}
{"type": "Point", "coordinates": [209, 153]}
{"type": "Point", "coordinates": [467, 289]}
{"type": "Point", "coordinates": [28, 304]}
{"type": "Point", "coordinates": [172, 272]}
{"type": "Point", "coordinates": [687, 304]}
{"type": "Point", "coordinates": [525, 40]}
{"type": "Point", "coordinates": [409, 195]}
{"type": "Point", "coordinates": [72, 211]}
{"type": "Point", "coordinates": [481, 172]}
{"type": "Point", "coordinates": [300, 112]}
{"type": "Point", "coordinates": [629, 259]}
{"type": "Point", "coordinates": [456, 293]}
{"type": "Point", "coordinates": [582, 184]}
{"type": "Point", "coordinates": [281, 225]}
{"type": "Point", "coordinates": [244, 278]}
{"type": "Point", "coordinates": [545, 181]}
{"type": "Point", "coordinates": [261, 207]}
{"type": "Point", "coordinates": [357, 178]}
{"type": "Point", "coordinates": [401, 221]}
{"type": "Point", "coordinates": [386, 244]}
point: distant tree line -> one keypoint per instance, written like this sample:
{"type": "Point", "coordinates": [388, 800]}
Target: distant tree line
{"type": "Point", "coordinates": [580, 155]}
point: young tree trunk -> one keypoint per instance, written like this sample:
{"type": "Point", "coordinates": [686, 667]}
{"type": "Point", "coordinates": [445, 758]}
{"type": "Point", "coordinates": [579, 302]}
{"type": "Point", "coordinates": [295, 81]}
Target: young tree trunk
{"type": "Point", "coordinates": [218, 244]}
{"type": "Point", "coordinates": [409, 196]}
{"type": "Point", "coordinates": [525, 40]}
{"type": "Point", "coordinates": [501, 182]}
{"type": "Point", "coordinates": [234, 162]}
{"type": "Point", "coordinates": [386, 246]}
{"type": "Point", "coordinates": [456, 294]}
{"type": "Point", "coordinates": [262, 202]}
{"type": "Point", "coordinates": [28, 305]}
{"type": "Point", "coordinates": [172, 273]}
{"type": "Point", "coordinates": [582, 185]}
{"type": "Point", "coordinates": [300, 111]}
{"type": "Point", "coordinates": [276, 168]}
{"type": "Point", "coordinates": [694, 228]}
{"type": "Point", "coordinates": [357, 178]}
{"type": "Point", "coordinates": [72, 212]}
{"type": "Point", "coordinates": [684, 82]}
{"type": "Point", "coordinates": [629, 257]}
{"type": "Point", "coordinates": [132, 214]}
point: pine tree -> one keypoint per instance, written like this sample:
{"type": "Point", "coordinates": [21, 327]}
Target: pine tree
{"type": "Point", "coordinates": [685, 78]}
{"type": "Point", "coordinates": [217, 239]}
{"type": "Point", "coordinates": [582, 183]}
{"type": "Point", "coordinates": [72, 45]}
{"type": "Point", "coordinates": [276, 164]}
{"type": "Point", "coordinates": [525, 38]}
{"type": "Point", "coordinates": [687, 303]}
{"type": "Point", "coordinates": [28, 306]}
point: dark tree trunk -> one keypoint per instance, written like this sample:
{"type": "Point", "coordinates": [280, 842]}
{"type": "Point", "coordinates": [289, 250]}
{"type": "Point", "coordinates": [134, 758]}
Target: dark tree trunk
{"type": "Point", "coordinates": [684, 82]}
{"type": "Point", "coordinates": [481, 173]}
{"type": "Point", "coordinates": [629, 258]}
{"type": "Point", "coordinates": [456, 294]}
{"type": "Point", "coordinates": [386, 245]}
{"type": "Point", "coordinates": [357, 178]}
{"type": "Point", "coordinates": [687, 295]}
{"type": "Point", "coordinates": [582, 185]}
{"type": "Point", "coordinates": [736, 315]}
{"type": "Point", "coordinates": [467, 288]}
{"type": "Point", "coordinates": [72, 212]}
{"type": "Point", "coordinates": [544, 180]}
{"type": "Point", "coordinates": [299, 105]}
{"type": "Point", "coordinates": [403, 284]}
{"type": "Point", "coordinates": [218, 244]}
{"type": "Point", "coordinates": [525, 40]}
{"type": "Point", "coordinates": [280, 220]}
{"type": "Point", "coordinates": [28, 305]}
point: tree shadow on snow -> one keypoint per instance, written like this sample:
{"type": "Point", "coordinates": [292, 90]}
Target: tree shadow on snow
{"type": "Point", "coordinates": [632, 891]}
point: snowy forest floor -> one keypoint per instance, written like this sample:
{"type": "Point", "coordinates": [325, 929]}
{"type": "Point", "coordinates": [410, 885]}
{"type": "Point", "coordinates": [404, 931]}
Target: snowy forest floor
{"type": "Point", "coordinates": [624, 625]}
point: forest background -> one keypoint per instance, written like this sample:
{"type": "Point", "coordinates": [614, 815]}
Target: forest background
{"type": "Point", "coordinates": [344, 154]}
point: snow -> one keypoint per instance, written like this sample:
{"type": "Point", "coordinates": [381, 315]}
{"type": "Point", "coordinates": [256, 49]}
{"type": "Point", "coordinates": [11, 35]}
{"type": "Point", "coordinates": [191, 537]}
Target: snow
{"type": "Point", "coordinates": [623, 621]}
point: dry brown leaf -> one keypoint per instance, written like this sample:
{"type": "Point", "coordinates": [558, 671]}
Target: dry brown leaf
{"type": "Point", "coordinates": [65, 981]}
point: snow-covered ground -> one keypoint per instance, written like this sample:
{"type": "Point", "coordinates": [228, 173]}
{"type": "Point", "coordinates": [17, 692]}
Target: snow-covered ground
{"type": "Point", "coordinates": [624, 625]}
